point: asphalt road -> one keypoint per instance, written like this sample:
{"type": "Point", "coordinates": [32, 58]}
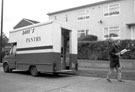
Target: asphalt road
{"type": "Point", "coordinates": [23, 82]}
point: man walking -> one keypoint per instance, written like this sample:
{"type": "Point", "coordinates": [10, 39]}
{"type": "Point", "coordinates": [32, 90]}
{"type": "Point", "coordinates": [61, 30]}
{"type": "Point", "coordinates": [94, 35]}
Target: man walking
{"type": "Point", "coordinates": [114, 61]}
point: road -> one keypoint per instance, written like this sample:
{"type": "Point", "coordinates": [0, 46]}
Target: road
{"type": "Point", "coordinates": [23, 82]}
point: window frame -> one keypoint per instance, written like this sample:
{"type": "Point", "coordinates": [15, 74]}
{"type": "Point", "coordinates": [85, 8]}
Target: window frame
{"type": "Point", "coordinates": [83, 15]}
{"type": "Point", "coordinates": [86, 32]}
{"type": "Point", "coordinates": [134, 6]}
{"type": "Point", "coordinates": [109, 29]}
{"type": "Point", "coordinates": [109, 8]}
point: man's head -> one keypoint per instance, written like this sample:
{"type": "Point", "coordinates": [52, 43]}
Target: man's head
{"type": "Point", "coordinates": [117, 42]}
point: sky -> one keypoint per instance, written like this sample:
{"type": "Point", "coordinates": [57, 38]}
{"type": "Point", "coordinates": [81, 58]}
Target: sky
{"type": "Point", "coordinates": [16, 10]}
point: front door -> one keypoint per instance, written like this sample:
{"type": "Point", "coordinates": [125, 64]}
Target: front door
{"type": "Point", "coordinates": [133, 32]}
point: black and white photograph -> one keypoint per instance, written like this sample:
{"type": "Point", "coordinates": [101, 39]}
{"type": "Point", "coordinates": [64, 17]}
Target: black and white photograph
{"type": "Point", "coordinates": [67, 45]}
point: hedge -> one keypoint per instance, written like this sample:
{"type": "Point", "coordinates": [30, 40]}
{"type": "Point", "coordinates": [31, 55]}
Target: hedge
{"type": "Point", "coordinates": [88, 38]}
{"type": "Point", "coordinates": [99, 50]}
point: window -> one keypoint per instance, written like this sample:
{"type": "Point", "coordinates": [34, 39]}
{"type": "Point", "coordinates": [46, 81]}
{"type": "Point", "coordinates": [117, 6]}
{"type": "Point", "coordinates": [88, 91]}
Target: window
{"type": "Point", "coordinates": [13, 50]}
{"type": "Point", "coordinates": [66, 18]}
{"type": "Point", "coordinates": [106, 32]}
{"type": "Point", "coordinates": [111, 10]}
{"type": "Point", "coordinates": [134, 5]}
{"type": "Point", "coordinates": [82, 33]}
{"type": "Point", "coordinates": [55, 17]}
{"type": "Point", "coordinates": [106, 11]}
{"type": "Point", "coordinates": [111, 32]}
{"type": "Point", "coordinates": [114, 32]}
{"type": "Point", "coordinates": [83, 15]}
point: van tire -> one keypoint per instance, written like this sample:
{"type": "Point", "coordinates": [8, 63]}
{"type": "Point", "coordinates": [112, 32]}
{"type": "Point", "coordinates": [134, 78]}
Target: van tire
{"type": "Point", "coordinates": [33, 71]}
{"type": "Point", "coordinates": [55, 74]}
{"type": "Point", "coordinates": [6, 68]}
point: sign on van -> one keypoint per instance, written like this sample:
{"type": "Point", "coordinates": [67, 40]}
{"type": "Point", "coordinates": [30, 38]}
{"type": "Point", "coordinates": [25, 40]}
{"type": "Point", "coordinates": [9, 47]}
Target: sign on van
{"type": "Point", "coordinates": [28, 31]}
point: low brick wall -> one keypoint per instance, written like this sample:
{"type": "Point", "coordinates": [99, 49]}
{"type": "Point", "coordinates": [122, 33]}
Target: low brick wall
{"type": "Point", "coordinates": [104, 64]}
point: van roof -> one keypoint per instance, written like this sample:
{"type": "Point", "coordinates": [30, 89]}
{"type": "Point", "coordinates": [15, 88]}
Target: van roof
{"type": "Point", "coordinates": [40, 24]}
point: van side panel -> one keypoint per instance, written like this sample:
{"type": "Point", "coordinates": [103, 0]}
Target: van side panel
{"type": "Point", "coordinates": [43, 61]}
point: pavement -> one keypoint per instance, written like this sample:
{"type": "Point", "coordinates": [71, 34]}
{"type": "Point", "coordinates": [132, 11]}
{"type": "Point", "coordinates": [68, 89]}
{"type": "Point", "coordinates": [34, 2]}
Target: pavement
{"type": "Point", "coordinates": [71, 83]}
{"type": "Point", "coordinates": [21, 82]}
{"type": "Point", "coordinates": [91, 84]}
{"type": "Point", "coordinates": [99, 68]}
{"type": "Point", "coordinates": [101, 73]}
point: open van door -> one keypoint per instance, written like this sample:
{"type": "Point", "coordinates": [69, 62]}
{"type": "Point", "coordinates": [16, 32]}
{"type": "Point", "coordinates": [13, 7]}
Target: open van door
{"type": "Point", "coordinates": [65, 51]}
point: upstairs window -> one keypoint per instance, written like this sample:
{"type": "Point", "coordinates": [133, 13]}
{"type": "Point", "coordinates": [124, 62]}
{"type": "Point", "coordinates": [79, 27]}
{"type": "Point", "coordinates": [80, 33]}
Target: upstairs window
{"type": "Point", "coordinates": [55, 17]}
{"type": "Point", "coordinates": [112, 10]}
{"type": "Point", "coordinates": [66, 18]}
{"type": "Point", "coordinates": [106, 11]}
{"type": "Point", "coordinates": [83, 15]}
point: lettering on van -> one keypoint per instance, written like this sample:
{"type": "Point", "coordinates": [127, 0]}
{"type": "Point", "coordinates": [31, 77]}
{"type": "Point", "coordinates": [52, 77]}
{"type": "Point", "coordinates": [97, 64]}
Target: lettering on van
{"type": "Point", "coordinates": [33, 39]}
{"type": "Point", "coordinates": [28, 31]}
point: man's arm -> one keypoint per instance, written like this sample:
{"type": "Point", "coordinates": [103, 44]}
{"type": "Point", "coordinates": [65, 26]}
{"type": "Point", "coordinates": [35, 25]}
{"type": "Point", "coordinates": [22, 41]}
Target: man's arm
{"type": "Point", "coordinates": [113, 52]}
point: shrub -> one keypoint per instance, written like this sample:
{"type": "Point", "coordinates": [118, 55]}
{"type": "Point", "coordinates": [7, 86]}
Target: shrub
{"type": "Point", "coordinates": [88, 38]}
{"type": "Point", "coordinates": [99, 50]}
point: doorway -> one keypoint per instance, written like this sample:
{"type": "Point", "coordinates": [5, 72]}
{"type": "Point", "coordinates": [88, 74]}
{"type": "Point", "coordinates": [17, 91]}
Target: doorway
{"type": "Point", "coordinates": [65, 49]}
{"type": "Point", "coordinates": [133, 32]}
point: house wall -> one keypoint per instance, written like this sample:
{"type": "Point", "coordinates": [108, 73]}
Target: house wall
{"type": "Point", "coordinates": [96, 21]}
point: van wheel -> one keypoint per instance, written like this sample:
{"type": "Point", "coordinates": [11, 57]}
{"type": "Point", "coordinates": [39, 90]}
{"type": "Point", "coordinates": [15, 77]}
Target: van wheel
{"type": "Point", "coordinates": [33, 71]}
{"type": "Point", "coordinates": [6, 68]}
{"type": "Point", "coordinates": [55, 74]}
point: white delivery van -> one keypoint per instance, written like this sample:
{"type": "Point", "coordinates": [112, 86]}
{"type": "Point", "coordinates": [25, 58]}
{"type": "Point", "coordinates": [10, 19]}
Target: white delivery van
{"type": "Point", "coordinates": [45, 47]}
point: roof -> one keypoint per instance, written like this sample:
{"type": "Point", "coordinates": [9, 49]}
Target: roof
{"type": "Point", "coordinates": [64, 25]}
{"type": "Point", "coordinates": [25, 22]}
{"type": "Point", "coordinates": [83, 6]}
{"type": "Point", "coordinates": [130, 24]}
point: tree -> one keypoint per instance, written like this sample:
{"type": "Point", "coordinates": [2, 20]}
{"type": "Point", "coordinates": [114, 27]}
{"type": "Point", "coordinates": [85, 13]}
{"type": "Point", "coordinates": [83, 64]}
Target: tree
{"type": "Point", "coordinates": [4, 42]}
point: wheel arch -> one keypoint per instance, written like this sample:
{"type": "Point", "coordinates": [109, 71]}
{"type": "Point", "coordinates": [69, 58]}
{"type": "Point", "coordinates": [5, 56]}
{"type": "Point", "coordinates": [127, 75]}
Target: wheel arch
{"type": "Point", "coordinates": [4, 62]}
{"type": "Point", "coordinates": [31, 66]}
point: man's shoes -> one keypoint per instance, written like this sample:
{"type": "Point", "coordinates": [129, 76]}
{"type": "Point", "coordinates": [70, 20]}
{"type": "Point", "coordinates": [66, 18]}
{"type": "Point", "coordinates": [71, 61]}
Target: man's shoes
{"type": "Point", "coordinates": [120, 81]}
{"type": "Point", "coordinates": [109, 80]}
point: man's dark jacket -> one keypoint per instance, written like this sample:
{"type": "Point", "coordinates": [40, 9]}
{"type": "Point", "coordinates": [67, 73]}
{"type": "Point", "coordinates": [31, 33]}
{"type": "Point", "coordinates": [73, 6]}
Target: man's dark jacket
{"type": "Point", "coordinates": [114, 59]}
